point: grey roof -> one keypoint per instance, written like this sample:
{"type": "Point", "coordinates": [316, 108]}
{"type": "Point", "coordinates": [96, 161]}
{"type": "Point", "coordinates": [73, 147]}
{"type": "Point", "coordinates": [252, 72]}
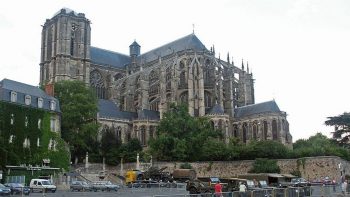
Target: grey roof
{"type": "Point", "coordinates": [110, 58]}
{"type": "Point", "coordinates": [22, 89]}
{"type": "Point", "coordinates": [269, 106]}
{"type": "Point", "coordinates": [217, 109]}
{"type": "Point", "coordinates": [135, 43]}
{"type": "Point", "coordinates": [148, 114]}
{"type": "Point", "coordinates": [109, 109]}
{"type": "Point", "coordinates": [188, 42]}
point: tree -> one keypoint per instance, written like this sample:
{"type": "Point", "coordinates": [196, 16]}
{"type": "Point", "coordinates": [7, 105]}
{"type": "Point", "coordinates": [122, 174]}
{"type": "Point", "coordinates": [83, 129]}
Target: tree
{"type": "Point", "coordinates": [181, 136]}
{"type": "Point", "coordinates": [79, 110]}
{"type": "Point", "coordinates": [262, 165]}
{"type": "Point", "coordinates": [319, 145]}
{"type": "Point", "coordinates": [342, 128]}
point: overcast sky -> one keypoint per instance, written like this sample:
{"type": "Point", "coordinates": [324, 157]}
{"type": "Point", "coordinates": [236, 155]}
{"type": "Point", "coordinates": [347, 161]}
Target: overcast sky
{"type": "Point", "coordinates": [298, 50]}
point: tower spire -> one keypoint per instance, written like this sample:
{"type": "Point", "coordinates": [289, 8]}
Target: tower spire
{"type": "Point", "coordinates": [247, 68]}
{"type": "Point", "coordinates": [228, 57]}
{"type": "Point", "coordinates": [242, 65]}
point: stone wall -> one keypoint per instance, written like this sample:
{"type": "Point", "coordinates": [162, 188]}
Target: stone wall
{"type": "Point", "coordinates": [311, 168]}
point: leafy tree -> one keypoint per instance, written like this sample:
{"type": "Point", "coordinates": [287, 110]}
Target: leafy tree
{"type": "Point", "coordinates": [319, 145]}
{"type": "Point", "coordinates": [128, 151]}
{"type": "Point", "coordinates": [262, 165]}
{"type": "Point", "coordinates": [79, 124]}
{"type": "Point", "coordinates": [342, 128]}
{"type": "Point", "coordinates": [110, 146]}
{"type": "Point", "coordinates": [181, 136]}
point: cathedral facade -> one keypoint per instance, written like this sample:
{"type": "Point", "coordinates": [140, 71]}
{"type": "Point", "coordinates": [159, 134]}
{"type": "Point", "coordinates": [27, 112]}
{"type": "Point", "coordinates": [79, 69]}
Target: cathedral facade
{"type": "Point", "coordinates": [135, 90]}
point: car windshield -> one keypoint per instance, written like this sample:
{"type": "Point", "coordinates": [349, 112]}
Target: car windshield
{"type": "Point", "coordinates": [250, 183]}
{"type": "Point", "coordinates": [263, 183]}
{"type": "Point", "coordinates": [2, 186]}
{"type": "Point", "coordinates": [214, 179]}
{"type": "Point", "coordinates": [46, 183]}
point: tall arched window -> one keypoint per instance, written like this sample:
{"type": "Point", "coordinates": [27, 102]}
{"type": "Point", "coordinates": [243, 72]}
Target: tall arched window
{"type": "Point", "coordinates": [118, 133]}
{"type": "Point", "coordinates": [207, 100]}
{"type": "Point", "coordinates": [96, 81]}
{"type": "Point", "coordinates": [245, 130]}
{"type": "Point", "coordinates": [274, 129]}
{"type": "Point", "coordinates": [265, 130]}
{"type": "Point", "coordinates": [183, 82]}
{"type": "Point", "coordinates": [184, 97]}
{"type": "Point", "coordinates": [143, 135]}
{"type": "Point", "coordinates": [235, 130]}
{"type": "Point", "coordinates": [255, 131]}
{"type": "Point", "coordinates": [151, 132]}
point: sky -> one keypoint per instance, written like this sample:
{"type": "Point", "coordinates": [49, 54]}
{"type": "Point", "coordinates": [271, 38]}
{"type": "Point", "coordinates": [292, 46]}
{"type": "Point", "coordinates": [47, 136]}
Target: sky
{"type": "Point", "coordinates": [298, 50]}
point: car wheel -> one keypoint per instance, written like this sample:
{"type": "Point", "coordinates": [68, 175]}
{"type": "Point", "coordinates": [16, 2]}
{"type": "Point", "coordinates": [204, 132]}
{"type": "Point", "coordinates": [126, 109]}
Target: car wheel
{"type": "Point", "coordinates": [193, 190]}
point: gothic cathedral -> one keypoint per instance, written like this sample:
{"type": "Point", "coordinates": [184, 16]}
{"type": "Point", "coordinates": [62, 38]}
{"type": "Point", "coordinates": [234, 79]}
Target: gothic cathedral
{"type": "Point", "coordinates": [135, 90]}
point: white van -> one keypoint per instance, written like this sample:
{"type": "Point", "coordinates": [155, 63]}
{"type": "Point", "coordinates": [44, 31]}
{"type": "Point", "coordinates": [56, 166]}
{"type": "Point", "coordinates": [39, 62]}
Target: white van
{"type": "Point", "coordinates": [41, 185]}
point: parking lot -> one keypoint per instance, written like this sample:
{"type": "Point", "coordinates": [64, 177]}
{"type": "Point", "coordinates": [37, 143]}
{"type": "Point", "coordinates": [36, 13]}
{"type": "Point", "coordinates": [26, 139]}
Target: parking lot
{"type": "Point", "coordinates": [317, 191]}
{"type": "Point", "coordinates": [127, 192]}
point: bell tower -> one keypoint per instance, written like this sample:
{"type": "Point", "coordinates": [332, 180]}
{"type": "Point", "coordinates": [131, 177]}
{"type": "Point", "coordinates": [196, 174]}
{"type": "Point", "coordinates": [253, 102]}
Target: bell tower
{"type": "Point", "coordinates": [65, 48]}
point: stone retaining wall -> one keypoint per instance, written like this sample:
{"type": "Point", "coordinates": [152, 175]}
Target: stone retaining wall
{"type": "Point", "coordinates": [311, 168]}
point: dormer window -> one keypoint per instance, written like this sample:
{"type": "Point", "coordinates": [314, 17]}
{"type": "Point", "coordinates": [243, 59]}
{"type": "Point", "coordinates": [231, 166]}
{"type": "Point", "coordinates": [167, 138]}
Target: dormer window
{"type": "Point", "coordinates": [28, 100]}
{"type": "Point", "coordinates": [39, 123]}
{"type": "Point", "coordinates": [13, 96]}
{"type": "Point", "coordinates": [12, 119]}
{"type": "Point", "coordinates": [11, 139]}
{"type": "Point", "coordinates": [40, 102]}
{"type": "Point", "coordinates": [52, 105]}
{"type": "Point", "coordinates": [26, 143]}
{"type": "Point", "coordinates": [26, 121]}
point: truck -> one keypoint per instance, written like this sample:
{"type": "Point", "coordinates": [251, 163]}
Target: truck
{"type": "Point", "coordinates": [183, 175]}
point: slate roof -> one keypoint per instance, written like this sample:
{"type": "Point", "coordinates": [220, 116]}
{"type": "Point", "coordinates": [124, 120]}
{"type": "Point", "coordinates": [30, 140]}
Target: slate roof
{"type": "Point", "coordinates": [217, 109]}
{"type": "Point", "coordinates": [109, 109]}
{"type": "Point", "coordinates": [148, 114]}
{"type": "Point", "coordinates": [188, 42]}
{"type": "Point", "coordinates": [22, 89]}
{"type": "Point", "coordinates": [269, 106]}
{"type": "Point", "coordinates": [110, 58]}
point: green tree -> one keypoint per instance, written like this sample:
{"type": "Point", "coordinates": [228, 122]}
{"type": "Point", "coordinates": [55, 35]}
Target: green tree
{"type": "Point", "coordinates": [319, 145]}
{"type": "Point", "coordinates": [342, 128]}
{"type": "Point", "coordinates": [262, 165]}
{"type": "Point", "coordinates": [110, 147]}
{"type": "Point", "coordinates": [79, 124]}
{"type": "Point", "coordinates": [181, 136]}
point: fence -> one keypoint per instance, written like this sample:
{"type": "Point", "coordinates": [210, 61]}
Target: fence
{"type": "Point", "coordinates": [315, 191]}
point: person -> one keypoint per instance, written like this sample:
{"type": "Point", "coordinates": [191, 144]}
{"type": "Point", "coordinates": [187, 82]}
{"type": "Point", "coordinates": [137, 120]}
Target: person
{"type": "Point", "coordinates": [344, 187]}
{"type": "Point", "coordinates": [242, 188]}
{"type": "Point", "coordinates": [218, 189]}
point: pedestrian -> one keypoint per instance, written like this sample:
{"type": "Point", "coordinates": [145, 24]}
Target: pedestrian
{"type": "Point", "coordinates": [344, 187]}
{"type": "Point", "coordinates": [242, 189]}
{"type": "Point", "coordinates": [218, 189]}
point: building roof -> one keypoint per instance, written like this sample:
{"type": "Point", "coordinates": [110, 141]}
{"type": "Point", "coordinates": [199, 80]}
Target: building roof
{"type": "Point", "coordinates": [217, 109]}
{"type": "Point", "coordinates": [108, 58]}
{"type": "Point", "coordinates": [188, 42]}
{"type": "Point", "coordinates": [109, 109]}
{"type": "Point", "coordinates": [148, 114]}
{"type": "Point", "coordinates": [269, 106]}
{"type": "Point", "coordinates": [23, 89]}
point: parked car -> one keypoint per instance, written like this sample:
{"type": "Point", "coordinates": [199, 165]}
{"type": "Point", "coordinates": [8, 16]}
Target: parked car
{"type": "Point", "coordinates": [42, 185]}
{"type": "Point", "coordinates": [299, 182]}
{"type": "Point", "coordinates": [104, 186]}
{"type": "Point", "coordinates": [18, 188]}
{"type": "Point", "coordinates": [4, 191]}
{"type": "Point", "coordinates": [80, 186]}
